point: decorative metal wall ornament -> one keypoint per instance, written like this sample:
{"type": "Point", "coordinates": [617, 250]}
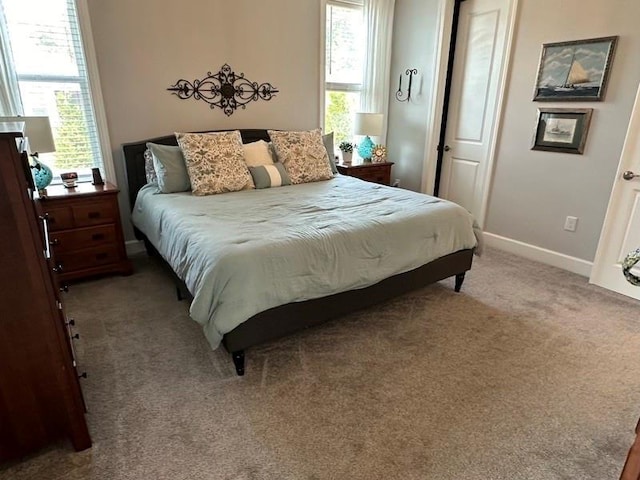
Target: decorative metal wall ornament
{"type": "Point", "coordinates": [407, 95]}
{"type": "Point", "coordinates": [226, 89]}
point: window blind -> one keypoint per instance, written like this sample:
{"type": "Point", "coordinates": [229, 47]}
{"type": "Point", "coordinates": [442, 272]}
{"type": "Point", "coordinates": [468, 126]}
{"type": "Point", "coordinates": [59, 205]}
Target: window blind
{"type": "Point", "coordinates": [47, 50]}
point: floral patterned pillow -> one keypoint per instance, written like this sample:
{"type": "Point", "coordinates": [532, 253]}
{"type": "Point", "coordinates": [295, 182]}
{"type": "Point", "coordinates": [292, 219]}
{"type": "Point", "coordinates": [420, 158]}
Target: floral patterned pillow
{"type": "Point", "coordinates": [149, 169]}
{"type": "Point", "coordinates": [303, 155]}
{"type": "Point", "coordinates": [215, 162]}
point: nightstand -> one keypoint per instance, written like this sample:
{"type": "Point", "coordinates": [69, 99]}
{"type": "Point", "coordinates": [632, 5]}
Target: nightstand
{"type": "Point", "coordinates": [85, 231]}
{"type": "Point", "coordinates": [371, 172]}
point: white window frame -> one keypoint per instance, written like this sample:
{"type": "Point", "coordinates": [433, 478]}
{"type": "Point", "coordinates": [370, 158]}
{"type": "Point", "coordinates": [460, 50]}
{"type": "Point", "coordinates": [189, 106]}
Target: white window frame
{"type": "Point", "coordinates": [333, 86]}
{"type": "Point", "coordinates": [89, 88]}
{"type": "Point", "coordinates": [95, 87]}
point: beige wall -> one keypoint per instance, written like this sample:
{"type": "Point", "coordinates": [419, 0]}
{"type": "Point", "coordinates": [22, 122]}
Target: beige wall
{"type": "Point", "coordinates": [533, 191]}
{"type": "Point", "coordinates": [144, 46]}
{"type": "Point", "coordinates": [414, 33]}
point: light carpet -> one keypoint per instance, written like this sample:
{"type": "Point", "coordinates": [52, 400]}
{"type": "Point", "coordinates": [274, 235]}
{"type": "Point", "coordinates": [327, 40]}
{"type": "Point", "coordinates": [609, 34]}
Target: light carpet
{"type": "Point", "coordinates": [529, 373]}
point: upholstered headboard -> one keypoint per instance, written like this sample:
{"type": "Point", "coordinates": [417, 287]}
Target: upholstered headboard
{"type": "Point", "coordinates": [134, 156]}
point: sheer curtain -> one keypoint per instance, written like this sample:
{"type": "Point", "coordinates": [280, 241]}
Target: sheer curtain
{"type": "Point", "coordinates": [10, 103]}
{"type": "Point", "coordinates": [378, 16]}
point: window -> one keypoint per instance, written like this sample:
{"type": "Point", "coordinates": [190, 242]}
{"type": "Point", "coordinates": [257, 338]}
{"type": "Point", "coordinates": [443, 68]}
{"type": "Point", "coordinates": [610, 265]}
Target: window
{"type": "Point", "coordinates": [52, 76]}
{"type": "Point", "coordinates": [344, 57]}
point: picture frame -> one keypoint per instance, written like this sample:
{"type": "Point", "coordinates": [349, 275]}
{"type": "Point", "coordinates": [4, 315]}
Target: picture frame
{"type": "Point", "coordinates": [575, 71]}
{"type": "Point", "coordinates": [562, 129]}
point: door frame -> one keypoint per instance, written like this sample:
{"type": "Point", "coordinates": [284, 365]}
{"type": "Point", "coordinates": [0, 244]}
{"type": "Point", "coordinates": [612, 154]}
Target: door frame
{"type": "Point", "coordinates": [435, 124]}
{"type": "Point", "coordinates": [609, 227]}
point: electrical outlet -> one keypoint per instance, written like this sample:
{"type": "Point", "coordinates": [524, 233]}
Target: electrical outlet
{"type": "Point", "coordinates": [570, 224]}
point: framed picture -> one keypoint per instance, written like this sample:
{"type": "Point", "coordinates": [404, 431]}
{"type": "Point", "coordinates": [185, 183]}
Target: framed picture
{"type": "Point", "coordinates": [562, 129]}
{"type": "Point", "coordinates": [576, 70]}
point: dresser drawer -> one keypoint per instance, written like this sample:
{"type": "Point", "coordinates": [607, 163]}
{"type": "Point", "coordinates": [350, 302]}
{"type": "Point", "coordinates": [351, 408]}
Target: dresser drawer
{"type": "Point", "coordinates": [94, 213]}
{"type": "Point", "coordinates": [82, 238]}
{"type": "Point", "coordinates": [60, 218]}
{"type": "Point", "coordinates": [88, 258]}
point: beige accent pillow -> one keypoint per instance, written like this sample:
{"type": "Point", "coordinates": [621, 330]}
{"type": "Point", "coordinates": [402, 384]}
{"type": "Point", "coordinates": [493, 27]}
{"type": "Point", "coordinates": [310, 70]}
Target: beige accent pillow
{"type": "Point", "coordinates": [257, 154]}
{"type": "Point", "coordinates": [303, 155]}
{"type": "Point", "coordinates": [215, 162]}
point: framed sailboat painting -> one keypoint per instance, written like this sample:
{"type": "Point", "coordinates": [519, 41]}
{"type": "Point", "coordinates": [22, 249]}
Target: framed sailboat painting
{"type": "Point", "coordinates": [576, 70]}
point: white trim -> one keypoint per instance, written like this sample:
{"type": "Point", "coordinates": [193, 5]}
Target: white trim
{"type": "Point", "coordinates": [500, 107]}
{"type": "Point", "coordinates": [445, 13]}
{"type": "Point", "coordinates": [323, 66]}
{"type": "Point", "coordinates": [343, 87]}
{"type": "Point", "coordinates": [441, 59]}
{"type": "Point", "coordinates": [355, 4]}
{"type": "Point", "coordinates": [93, 73]}
{"type": "Point", "coordinates": [619, 216]}
{"type": "Point", "coordinates": [539, 254]}
{"type": "Point", "coordinates": [324, 86]}
{"type": "Point", "coordinates": [134, 247]}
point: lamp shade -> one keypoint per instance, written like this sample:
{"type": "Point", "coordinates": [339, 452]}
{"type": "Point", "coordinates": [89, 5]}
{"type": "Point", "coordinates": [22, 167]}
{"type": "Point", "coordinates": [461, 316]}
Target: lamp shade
{"type": "Point", "coordinates": [368, 124]}
{"type": "Point", "coordinates": [38, 133]}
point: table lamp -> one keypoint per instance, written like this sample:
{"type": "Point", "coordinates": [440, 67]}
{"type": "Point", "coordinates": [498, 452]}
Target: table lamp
{"type": "Point", "coordinates": [37, 131]}
{"type": "Point", "coordinates": [367, 124]}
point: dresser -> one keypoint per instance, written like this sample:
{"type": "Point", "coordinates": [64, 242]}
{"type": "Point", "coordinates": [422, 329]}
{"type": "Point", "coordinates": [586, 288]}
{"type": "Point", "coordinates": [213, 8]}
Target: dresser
{"type": "Point", "coordinates": [40, 393]}
{"type": "Point", "coordinates": [371, 172]}
{"type": "Point", "coordinates": [85, 229]}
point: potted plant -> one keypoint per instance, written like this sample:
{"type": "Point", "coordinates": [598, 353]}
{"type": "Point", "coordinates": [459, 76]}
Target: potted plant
{"type": "Point", "coordinates": [347, 152]}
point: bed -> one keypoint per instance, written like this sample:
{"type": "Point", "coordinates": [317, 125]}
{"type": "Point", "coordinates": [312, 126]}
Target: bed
{"type": "Point", "coordinates": [261, 264]}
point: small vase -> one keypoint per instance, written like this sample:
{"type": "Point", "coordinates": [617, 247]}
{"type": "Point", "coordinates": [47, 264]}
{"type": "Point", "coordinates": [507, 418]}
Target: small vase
{"type": "Point", "coordinates": [365, 149]}
{"type": "Point", "coordinates": [42, 174]}
{"type": "Point", "coordinates": [346, 157]}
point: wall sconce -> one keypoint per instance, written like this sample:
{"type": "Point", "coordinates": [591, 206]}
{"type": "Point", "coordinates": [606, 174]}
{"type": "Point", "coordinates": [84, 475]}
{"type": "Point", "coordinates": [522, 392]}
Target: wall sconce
{"type": "Point", "coordinates": [407, 95]}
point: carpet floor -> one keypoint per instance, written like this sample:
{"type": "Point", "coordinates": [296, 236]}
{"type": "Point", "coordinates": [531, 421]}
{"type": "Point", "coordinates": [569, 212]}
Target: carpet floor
{"type": "Point", "coordinates": [529, 373]}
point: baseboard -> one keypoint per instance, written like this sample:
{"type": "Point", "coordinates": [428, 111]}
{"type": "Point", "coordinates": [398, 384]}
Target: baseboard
{"type": "Point", "coordinates": [134, 247]}
{"type": "Point", "coordinates": [539, 254]}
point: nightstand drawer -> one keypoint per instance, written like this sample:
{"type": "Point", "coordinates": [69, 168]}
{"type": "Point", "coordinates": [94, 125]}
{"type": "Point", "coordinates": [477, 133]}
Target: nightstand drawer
{"type": "Point", "coordinates": [375, 174]}
{"type": "Point", "coordinates": [88, 258]}
{"type": "Point", "coordinates": [94, 213]}
{"type": "Point", "coordinates": [60, 218]}
{"type": "Point", "coordinates": [369, 172]}
{"type": "Point", "coordinates": [83, 238]}
{"type": "Point", "coordinates": [86, 233]}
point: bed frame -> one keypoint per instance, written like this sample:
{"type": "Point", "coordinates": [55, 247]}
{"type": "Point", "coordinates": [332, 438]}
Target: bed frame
{"type": "Point", "coordinates": [285, 319]}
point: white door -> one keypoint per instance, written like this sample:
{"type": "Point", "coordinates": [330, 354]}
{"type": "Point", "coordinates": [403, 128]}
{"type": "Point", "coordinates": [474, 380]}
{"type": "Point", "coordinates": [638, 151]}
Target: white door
{"type": "Point", "coordinates": [473, 108]}
{"type": "Point", "coordinates": [621, 232]}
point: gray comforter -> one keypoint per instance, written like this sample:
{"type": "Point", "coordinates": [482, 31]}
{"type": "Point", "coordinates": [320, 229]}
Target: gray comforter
{"type": "Point", "coordinates": [245, 252]}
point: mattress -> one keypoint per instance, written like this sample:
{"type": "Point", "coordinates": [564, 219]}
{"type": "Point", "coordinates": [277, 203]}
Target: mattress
{"type": "Point", "coordinates": [244, 252]}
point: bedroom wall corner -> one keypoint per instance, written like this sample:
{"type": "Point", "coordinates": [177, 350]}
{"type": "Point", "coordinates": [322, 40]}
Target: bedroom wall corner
{"type": "Point", "coordinates": [143, 47]}
{"type": "Point", "coordinates": [414, 37]}
{"type": "Point", "coordinates": [533, 191]}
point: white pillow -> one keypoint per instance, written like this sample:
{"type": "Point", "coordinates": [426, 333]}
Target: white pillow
{"type": "Point", "coordinates": [257, 154]}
